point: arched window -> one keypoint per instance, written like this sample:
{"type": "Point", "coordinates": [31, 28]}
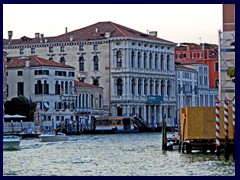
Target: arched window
{"type": "Point", "coordinates": [62, 88]}
{"type": "Point", "coordinates": [162, 62]}
{"type": "Point", "coordinates": [133, 87]}
{"type": "Point", "coordinates": [139, 87]}
{"type": "Point", "coordinates": [46, 87]}
{"type": "Point", "coordinates": [70, 88]}
{"type": "Point", "coordinates": [156, 89]}
{"type": "Point", "coordinates": [81, 63]}
{"type": "Point", "coordinates": [156, 61]}
{"type": "Point", "coordinates": [87, 100]}
{"type": "Point", "coordinates": [168, 88]}
{"type": "Point", "coordinates": [139, 59]}
{"type": "Point", "coordinates": [150, 61]}
{"type": "Point", "coordinates": [144, 60]}
{"type": "Point", "coordinates": [38, 87]}
{"type": "Point", "coordinates": [57, 88]}
{"type": "Point", "coordinates": [66, 87]}
{"type": "Point", "coordinates": [92, 98]}
{"type": "Point", "coordinates": [132, 59]}
{"type": "Point", "coordinates": [119, 87]}
{"type": "Point", "coordinates": [83, 101]}
{"type": "Point", "coordinates": [95, 63]}
{"type": "Point", "coordinates": [151, 87]}
{"type": "Point", "coordinates": [168, 62]}
{"type": "Point", "coordinates": [162, 88]}
{"type": "Point", "coordinates": [80, 100]}
{"type": "Point", "coordinates": [119, 59]}
{"type": "Point", "coordinates": [145, 87]}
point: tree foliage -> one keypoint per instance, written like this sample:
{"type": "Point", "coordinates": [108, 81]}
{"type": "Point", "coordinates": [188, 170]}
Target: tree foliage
{"type": "Point", "coordinates": [20, 105]}
{"type": "Point", "coordinates": [231, 73]}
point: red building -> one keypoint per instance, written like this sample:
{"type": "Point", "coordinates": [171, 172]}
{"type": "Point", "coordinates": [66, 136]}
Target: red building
{"type": "Point", "coordinates": [204, 53]}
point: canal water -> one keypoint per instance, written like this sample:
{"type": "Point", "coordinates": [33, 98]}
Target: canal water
{"type": "Point", "coordinates": [137, 154]}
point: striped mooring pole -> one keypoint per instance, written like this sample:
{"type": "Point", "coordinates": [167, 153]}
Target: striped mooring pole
{"type": "Point", "coordinates": [226, 146]}
{"type": "Point", "coordinates": [233, 116]}
{"type": "Point", "coordinates": [217, 127]}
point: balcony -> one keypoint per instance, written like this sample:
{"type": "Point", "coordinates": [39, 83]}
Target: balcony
{"type": "Point", "coordinates": [83, 110]}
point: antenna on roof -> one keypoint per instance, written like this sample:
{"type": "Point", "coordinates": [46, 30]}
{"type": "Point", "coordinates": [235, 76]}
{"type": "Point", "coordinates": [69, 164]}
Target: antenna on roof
{"type": "Point", "coordinates": [200, 40]}
{"type": "Point", "coordinates": [66, 30]}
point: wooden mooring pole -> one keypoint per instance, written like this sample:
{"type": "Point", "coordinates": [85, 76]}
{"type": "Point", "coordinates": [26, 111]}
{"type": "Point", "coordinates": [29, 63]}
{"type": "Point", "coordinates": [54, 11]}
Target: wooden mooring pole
{"type": "Point", "coordinates": [217, 128]}
{"type": "Point", "coordinates": [233, 116]}
{"type": "Point", "coordinates": [164, 138]}
{"type": "Point", "coordinates": [226, 144]}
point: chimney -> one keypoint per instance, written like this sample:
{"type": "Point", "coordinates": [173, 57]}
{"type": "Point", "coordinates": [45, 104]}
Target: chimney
{"type": "Point", "coordinates": [37, 35]}
{"type": "Point", "coordinates": [153, 33]}
{"type": "Point", "coordinates": [10, 33]}
{"type": "Point", "coordinates": [41, 38]}
{"type": "Point", "coordinates": [66, 30]}
{"type": "Point", "coordinates": [27, 63]}
{"type": "Point", "coordinates": [107, 34]}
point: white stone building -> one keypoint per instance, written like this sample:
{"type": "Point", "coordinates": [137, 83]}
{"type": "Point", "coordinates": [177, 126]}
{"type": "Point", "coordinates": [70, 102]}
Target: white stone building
{"type": "Point", "coordinates": [48, 83]}
{"type": "Point", "coordinates": [204, 96]}
{"type": "Point", "coordinates": [128, 64]}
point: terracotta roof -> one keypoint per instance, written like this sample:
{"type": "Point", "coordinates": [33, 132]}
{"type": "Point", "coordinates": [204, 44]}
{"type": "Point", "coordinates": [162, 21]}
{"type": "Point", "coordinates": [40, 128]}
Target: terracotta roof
{"type": "Point", "coordinates": [14, 62]}
{"type": "Point", "coordinates": [82, 84]}
{"type": "Point", "coordinates": [93, 32]}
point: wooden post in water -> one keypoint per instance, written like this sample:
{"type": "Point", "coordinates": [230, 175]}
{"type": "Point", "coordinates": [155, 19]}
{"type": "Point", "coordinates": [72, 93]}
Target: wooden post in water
{"type": "Point", "coordinates": [164, 133]}
{"type": "Point", "coordinates": [226, 145]}
{"type": "Point", "coordinates": [217, 128]}
{"type": "Point", "coordinates": [233, 116]}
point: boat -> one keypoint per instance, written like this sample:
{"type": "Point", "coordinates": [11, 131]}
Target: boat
{"type": "Point", "coordinates": [173, 141]}
{"type": "Point", "coordinates": [53, 137]}
{"type": "Point", "coordinates": [113, 125]}
{"type": "Point", "coordinates": [11, 142]}
{"type": "Point", "coordinates": [29, 133]}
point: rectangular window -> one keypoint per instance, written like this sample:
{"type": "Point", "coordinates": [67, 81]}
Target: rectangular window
{"type": "Point", "coordinates": [20, 88]}
{"type": "Point", "coordinates": [216, 66]}
{"type": "Point", "coordinates": [81, 48]}
{"type": "Point", "coordinates": [19, 73]}
{"type": "Point", "coordinates": [95, 47]}
{"type": "Point", "coordinates": [178, 56]}
{"type": "Point", "coordinates": [200, 55]}
{"type": "Point", "coordinates": [71, 74]}
{"type": "Point", "coordinates": [21, 51]}
{"type": "Point", "coordinates": [193, 55]}
{"type": "Point", "coordinates": [62, 49]}
{"type": "Point", "coordinates": [33, 51]}
{"type": "Point", "coordinates": [50, 49]}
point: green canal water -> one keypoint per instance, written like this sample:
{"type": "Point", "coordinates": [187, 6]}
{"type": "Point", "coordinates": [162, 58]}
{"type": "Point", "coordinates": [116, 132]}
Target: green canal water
{"type": "Point", "coordinates": [137, 154]}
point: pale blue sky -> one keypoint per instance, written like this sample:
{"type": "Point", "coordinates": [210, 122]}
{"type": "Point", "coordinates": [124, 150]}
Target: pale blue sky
{"type": "Point", "coordinates": [173, 22]}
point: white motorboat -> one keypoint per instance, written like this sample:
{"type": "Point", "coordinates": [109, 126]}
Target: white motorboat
{"type": "Point", "coordinates": [11, 142]}
{"type": "Point", "coordinates": [53, 137]}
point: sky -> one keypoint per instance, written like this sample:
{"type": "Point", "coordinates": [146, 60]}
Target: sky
{"type": "Point", "coordinates": [195, 23]}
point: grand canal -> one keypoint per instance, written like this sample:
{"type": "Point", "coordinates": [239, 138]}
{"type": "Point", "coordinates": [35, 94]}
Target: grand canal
{"type": "Point", "coordinates": [136, 154]}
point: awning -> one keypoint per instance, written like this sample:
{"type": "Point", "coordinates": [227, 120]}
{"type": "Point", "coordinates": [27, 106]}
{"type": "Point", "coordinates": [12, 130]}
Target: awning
{"type": "Point", "coordinates": [14, 116]}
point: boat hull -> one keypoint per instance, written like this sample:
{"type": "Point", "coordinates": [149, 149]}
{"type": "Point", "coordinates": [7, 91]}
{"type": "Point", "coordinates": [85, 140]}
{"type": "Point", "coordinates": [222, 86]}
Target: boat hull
{"type": "Point", "coordinates": [11, 144]}
{"type": "Point", "coordinates": [52, 138]}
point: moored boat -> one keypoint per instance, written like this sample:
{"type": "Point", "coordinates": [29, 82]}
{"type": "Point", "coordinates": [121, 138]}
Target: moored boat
{"type": "Point", "coordinates": [11, 142]}
{"type": "Point", "coordinates": [29, 133]}
{"type": "Point", "coordinates": [53, 137]}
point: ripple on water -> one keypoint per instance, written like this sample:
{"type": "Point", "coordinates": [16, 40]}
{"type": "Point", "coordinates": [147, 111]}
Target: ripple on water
{"type": "Point", "coordinates": [110, 155]}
